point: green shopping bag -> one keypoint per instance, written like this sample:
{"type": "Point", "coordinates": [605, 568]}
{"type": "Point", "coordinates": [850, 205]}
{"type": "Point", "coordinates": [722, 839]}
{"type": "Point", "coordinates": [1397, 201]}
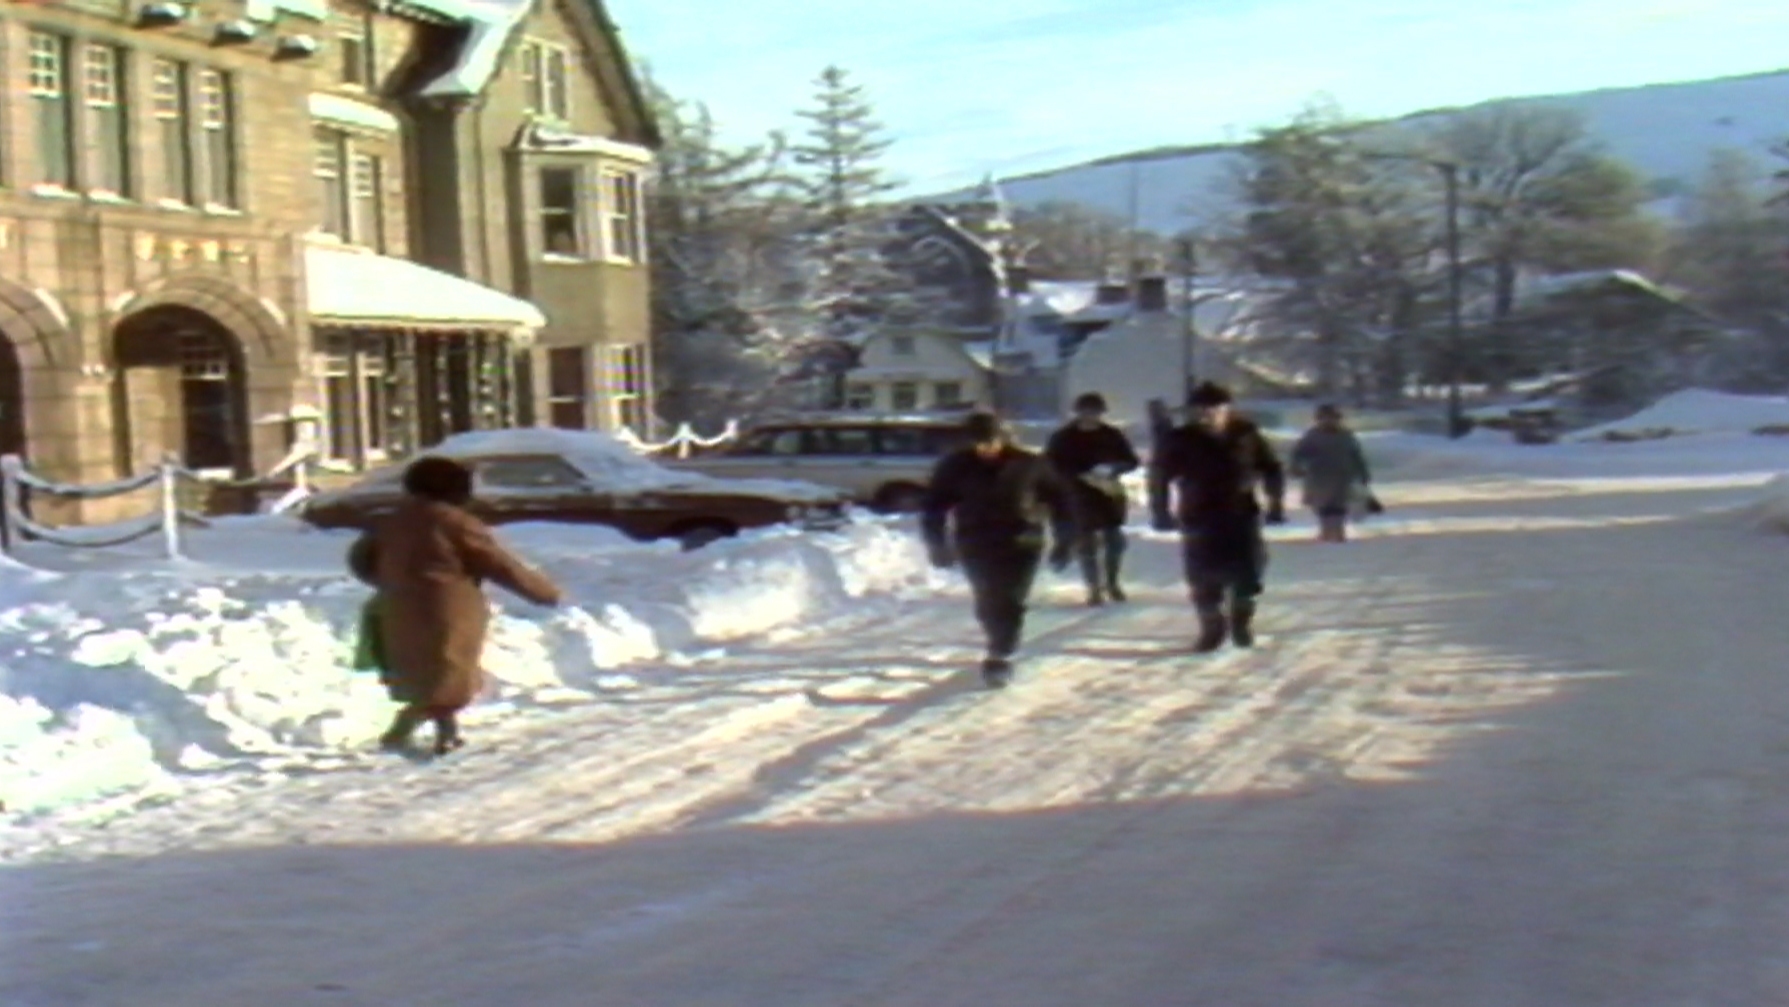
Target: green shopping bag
{"type": "Point", "coordinates": [369, 649]}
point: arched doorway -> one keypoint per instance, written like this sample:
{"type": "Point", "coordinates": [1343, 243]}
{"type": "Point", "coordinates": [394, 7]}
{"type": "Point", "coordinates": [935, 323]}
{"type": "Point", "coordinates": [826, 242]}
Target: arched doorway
{"type": "Point", "coordinates": [12, 398]}
{"type": "Point", "coordinates": [179, 390]}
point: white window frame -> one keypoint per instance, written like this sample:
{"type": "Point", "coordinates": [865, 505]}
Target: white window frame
{"type": "Point", "coordinates": [860, 396]}
{"type": "Point", "coordinates": [622, 208]}
{"type": "Point", "coordinates": [103, 86]}
{"type": "Point", "coordinates": [894, 404]}
{"type": "Point", "coordinates": [329, 166]}
{"type": "Point", "coordinates": [546, 79]}
{"type": "Point", "coordinates": [628, 384]}
{"type": "Point", "coordinates": [366, 200]}
{"type": "Point", "coordinates": [217, 126]}
{"type": "Point", "coordinates": [171, 109]}
{"type": "Point", "coordinates": [354, 39]}
{"type": "Point", "coordinates": [347, 355]}
{"type": "Point", "coordinates": [574, 213]}
{"type": "Point", "coordinates": [48, 80]}
{"type": "Point", "coordinates": [352, 178]}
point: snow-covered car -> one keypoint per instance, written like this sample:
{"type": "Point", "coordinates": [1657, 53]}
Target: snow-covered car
{"type": "Point", "coordinates": [591, 478]}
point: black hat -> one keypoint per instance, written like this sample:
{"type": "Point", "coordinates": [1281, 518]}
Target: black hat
{"type": "Point", "coordinates": [440, 479]}
{"type": "Point", "coordinates": [982, 427]}
{"type": "Point", "coordinates": [1090, 402]}
{"type": "Point", "coordinates": [1210, 393]}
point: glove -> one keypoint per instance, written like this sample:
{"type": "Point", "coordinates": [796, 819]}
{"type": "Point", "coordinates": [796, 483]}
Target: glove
{"type": "Point", "coordinates": [1276, 513]}
{"type": "Point", "coordinates": [941, 555]}
{"type": "Point", "coordinates": [1162, 522]}
{"type": "Point", "coordinates": [1373, 505]}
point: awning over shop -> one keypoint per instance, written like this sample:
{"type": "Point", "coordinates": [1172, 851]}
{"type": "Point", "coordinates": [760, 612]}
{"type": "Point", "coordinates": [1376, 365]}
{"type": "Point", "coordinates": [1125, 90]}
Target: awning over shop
{"type": "Point", "coordinates": [353, 287]}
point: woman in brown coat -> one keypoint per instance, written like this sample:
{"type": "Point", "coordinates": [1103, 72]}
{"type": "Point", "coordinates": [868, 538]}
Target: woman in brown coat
{"type": "Point", "coordinates": [429, 560]}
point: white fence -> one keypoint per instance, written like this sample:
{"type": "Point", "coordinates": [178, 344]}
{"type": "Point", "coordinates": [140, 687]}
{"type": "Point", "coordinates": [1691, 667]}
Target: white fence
{"type": "Point", "coordinates": [683, 441]}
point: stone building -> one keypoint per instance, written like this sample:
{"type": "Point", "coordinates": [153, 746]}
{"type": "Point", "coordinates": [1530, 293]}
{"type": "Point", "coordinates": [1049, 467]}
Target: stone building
{"type": "Point", "coordinates": [209, 212]}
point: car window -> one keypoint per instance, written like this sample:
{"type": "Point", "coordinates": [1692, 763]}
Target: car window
{"type": "Point", "coordinates": [906, 442]}
{"type": "Point", "coordinates": [531, 473]}
{"type": "Point", "coordinates": [836, 441]}
{"type": "Point", "coordinates": [786, 442]}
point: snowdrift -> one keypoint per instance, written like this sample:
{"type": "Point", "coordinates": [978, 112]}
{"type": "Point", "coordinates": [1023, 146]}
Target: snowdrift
{"type": "Point", "coordinates": [1697, 411]}
{"type": "Point", "coordinates": [112, 683]}
{"type": "Point", "coordinates": [1771, 512]}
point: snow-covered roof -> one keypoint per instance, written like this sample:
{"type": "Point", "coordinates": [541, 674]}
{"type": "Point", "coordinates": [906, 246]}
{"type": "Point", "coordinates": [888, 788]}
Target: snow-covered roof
{"type": "Point", "coordinates": [344, 111]}
{"type": "Point", "coordinates": [266, 11]}
{"type": "Point", "coordinates": [489, 23]}
{"type": "Point", "coordinates": [351, 285]}
{"type": "Point", "coordinates": [1569, 283]}
{"type": "Point", "coordinates": [982, 353]}
{"type": "Point", "coordinates": [539, 136]}
{"type": "Point", "coordinates": [1058, 297]}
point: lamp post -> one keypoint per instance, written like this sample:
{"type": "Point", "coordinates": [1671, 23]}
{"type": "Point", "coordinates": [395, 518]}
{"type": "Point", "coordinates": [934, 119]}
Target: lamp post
{"type": "Point", "coordinates": [1450, 176]}
{"type": "Point", "coordinates": [1189, 267]}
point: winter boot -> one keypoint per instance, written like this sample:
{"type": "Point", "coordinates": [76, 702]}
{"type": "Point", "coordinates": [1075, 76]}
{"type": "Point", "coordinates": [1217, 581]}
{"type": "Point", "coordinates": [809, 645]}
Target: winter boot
{"type": "Point", "coordinates": [397, 737]}
{"type": "Point", "coordinates": [447, 734]}
{"type": "Point", "coordinates": [997, 672]}
{"type": "Point", "coordinates": [1115, 592]}
{"type": "Point", "coordinates": [1242, 624]}
{"type": "Point", "coordinates": [1213, 630]}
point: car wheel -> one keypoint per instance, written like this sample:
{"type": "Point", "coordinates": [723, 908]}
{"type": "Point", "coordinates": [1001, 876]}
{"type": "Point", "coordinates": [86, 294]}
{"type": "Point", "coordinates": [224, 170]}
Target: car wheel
{"type": "Point", "coordinates": [697, 536]}
{"type": "Point", "coordinates": [901, 499]}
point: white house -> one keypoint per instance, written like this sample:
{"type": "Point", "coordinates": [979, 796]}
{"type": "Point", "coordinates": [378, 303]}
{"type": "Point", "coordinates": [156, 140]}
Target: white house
{"type": "Point", "coordinates": [919, 371]}
{"type": "Point", "coordinates": [1144, 354]}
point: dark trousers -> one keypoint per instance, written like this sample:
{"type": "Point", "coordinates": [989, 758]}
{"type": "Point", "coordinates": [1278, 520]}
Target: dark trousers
{"type": "Point", "coordinates": [1000, 576]}
{"type": "Point", "coordinates": [1102, 554]}
{"type": "Point", "coordinates": [1225, 559]}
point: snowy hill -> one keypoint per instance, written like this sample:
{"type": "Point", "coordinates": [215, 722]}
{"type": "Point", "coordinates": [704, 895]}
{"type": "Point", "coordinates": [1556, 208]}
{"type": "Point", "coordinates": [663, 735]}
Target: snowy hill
{"type": "Point", "coordinates": [1666, 131]}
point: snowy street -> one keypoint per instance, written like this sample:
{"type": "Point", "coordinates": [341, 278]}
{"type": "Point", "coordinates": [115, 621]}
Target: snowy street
{"type": "Point", "coordinates": [1524, 744]}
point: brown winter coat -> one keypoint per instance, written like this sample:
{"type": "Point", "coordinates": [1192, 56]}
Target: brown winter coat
{"type": "Point", "coordinates": [428, 561]}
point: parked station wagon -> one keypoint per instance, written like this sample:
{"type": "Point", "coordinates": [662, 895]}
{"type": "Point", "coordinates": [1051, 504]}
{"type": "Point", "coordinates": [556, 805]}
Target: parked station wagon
{"type": "Point", "coordinates": [590, 478]}
{"type": "Point", "coordinates": [882, 461]}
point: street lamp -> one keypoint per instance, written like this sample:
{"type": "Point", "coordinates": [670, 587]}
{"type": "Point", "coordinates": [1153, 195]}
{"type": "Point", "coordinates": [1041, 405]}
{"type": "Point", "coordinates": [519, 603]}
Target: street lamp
{"type": "Point", "coordinates": [1450, 174]}
{"type": "Point", "coordinates": [1189, 266]}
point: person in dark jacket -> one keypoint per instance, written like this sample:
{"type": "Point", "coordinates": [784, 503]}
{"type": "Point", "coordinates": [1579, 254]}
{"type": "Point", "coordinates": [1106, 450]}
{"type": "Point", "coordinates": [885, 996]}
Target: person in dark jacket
{"type": "Point", "coordinates": [428, 561]}
{"type": "Point", "coordinates": [1333, 469]}
{"type": "Point", "coordinates": [1218, 464]}
{"type": "Point", "coordinates": [989, 506]}
{"type": "Point", "coordinates": [1095, 456]}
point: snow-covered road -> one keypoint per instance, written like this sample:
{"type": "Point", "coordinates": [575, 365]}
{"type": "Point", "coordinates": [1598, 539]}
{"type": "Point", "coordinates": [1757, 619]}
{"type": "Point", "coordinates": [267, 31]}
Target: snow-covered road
{"type": "Point", "coordinates": [1526, 743]}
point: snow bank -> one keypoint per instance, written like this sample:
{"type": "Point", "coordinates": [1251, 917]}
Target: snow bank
{"type": "Point", "coordinates": [1696, 410]}
{"type": "Point", "coordinates": [112, 683]}
{"type": "Point", "coordinates": [1771, 512]}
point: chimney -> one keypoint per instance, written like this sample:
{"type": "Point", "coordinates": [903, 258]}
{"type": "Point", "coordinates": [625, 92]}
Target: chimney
{"type": "Point", "coordinates": [1152, 293]}
{"type": "Point", "coordinates": [1112, 292]}
{"type": "Point", "coordinates": [1018, 279]}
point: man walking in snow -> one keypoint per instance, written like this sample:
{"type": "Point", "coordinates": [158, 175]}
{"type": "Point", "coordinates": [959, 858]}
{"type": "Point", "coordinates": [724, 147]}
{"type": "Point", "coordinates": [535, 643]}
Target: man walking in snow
{"type": "Point", "coordinates": [1329, 461]}
{"type": "Point", "coordinates": [1217, 464]}
{"type": "Point", "coordinates": [1095, 456]}
{"type": "Point", "coordinates": [1001, 499]}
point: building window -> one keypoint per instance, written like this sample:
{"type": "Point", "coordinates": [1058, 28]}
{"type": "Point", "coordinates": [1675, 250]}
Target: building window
{"type": "Point", "coordinates": [559, 212]}
{"type": "Point", "coordinates": [946, 394]}
{"type": "Point", "coordinates": [332, 181]}
{"type": "Point", "coordinates": [169, 106]}
{"type": "Point", "coordinates": [568, 387]}
{"type": "Point", "coordinates": [903, 396]}
{"type": "Point", "coordinates": [860, 396]}
{"type": "Point", "coordinates": [366, 218]}
{"type": "Point", "coordinates": [901, 346]}
{"type": "Point", "coordinates": [546, 89]}
{"type": "Point", "coordinates": [354, 44]}
{"type": "Point", "coordinates": [49, 86]}
{"type": "Point", "coordinates": [621, 216]}
{"type": "Point", "coordinates": [108, 122]}
{"type": "Point", "coordinates": [627, 386]}
{"type": "Point", "coordinates": [217, 115]}
{"type": "Point", "coordinates": [356, 399]}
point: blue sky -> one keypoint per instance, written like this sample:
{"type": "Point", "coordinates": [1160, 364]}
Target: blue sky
{"type": "Point", "coordinates": [968, 87]}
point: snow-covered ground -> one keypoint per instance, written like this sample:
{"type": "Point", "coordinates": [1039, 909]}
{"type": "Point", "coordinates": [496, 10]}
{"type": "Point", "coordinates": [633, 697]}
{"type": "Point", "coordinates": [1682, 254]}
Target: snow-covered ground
{"type": "Point", "coordinates": [1523, 743]}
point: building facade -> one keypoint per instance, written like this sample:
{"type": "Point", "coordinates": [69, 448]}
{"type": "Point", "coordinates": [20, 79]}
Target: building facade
{"type": "Point", "coordinates": [207, 213]}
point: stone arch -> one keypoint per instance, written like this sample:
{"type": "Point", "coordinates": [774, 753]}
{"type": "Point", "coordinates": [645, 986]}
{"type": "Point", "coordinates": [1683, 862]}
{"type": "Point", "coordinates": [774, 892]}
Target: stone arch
{"type": "Point", "coordinates": [34, 337]}
{"type": "Point", "coordinates": [180, 386]}
{"type": "Point", "coordinates": [260, 335]}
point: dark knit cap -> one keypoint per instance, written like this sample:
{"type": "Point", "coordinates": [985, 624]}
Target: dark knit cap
{"type": "Point", "coordinates": [437, 478]}
{"type": "Point", "coordinates": [1210, 393]}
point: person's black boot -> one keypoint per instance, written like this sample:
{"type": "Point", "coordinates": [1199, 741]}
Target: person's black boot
{"type": "Point", "coordinates": [1242, 624]}
{"type": "Point", "coordinates": [997, 672]}
{"type": "Point", "coordinates": [1213, 630]}
{"type": "Point", "coordinates": [447, 734]}
{"type": "Point", "coordinates": [1115, 592]}
{"type": "Point", "coordinates": [397, 737]}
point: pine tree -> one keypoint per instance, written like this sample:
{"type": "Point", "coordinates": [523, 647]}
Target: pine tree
{"type": "Point", "coordinates": [840, 188]}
